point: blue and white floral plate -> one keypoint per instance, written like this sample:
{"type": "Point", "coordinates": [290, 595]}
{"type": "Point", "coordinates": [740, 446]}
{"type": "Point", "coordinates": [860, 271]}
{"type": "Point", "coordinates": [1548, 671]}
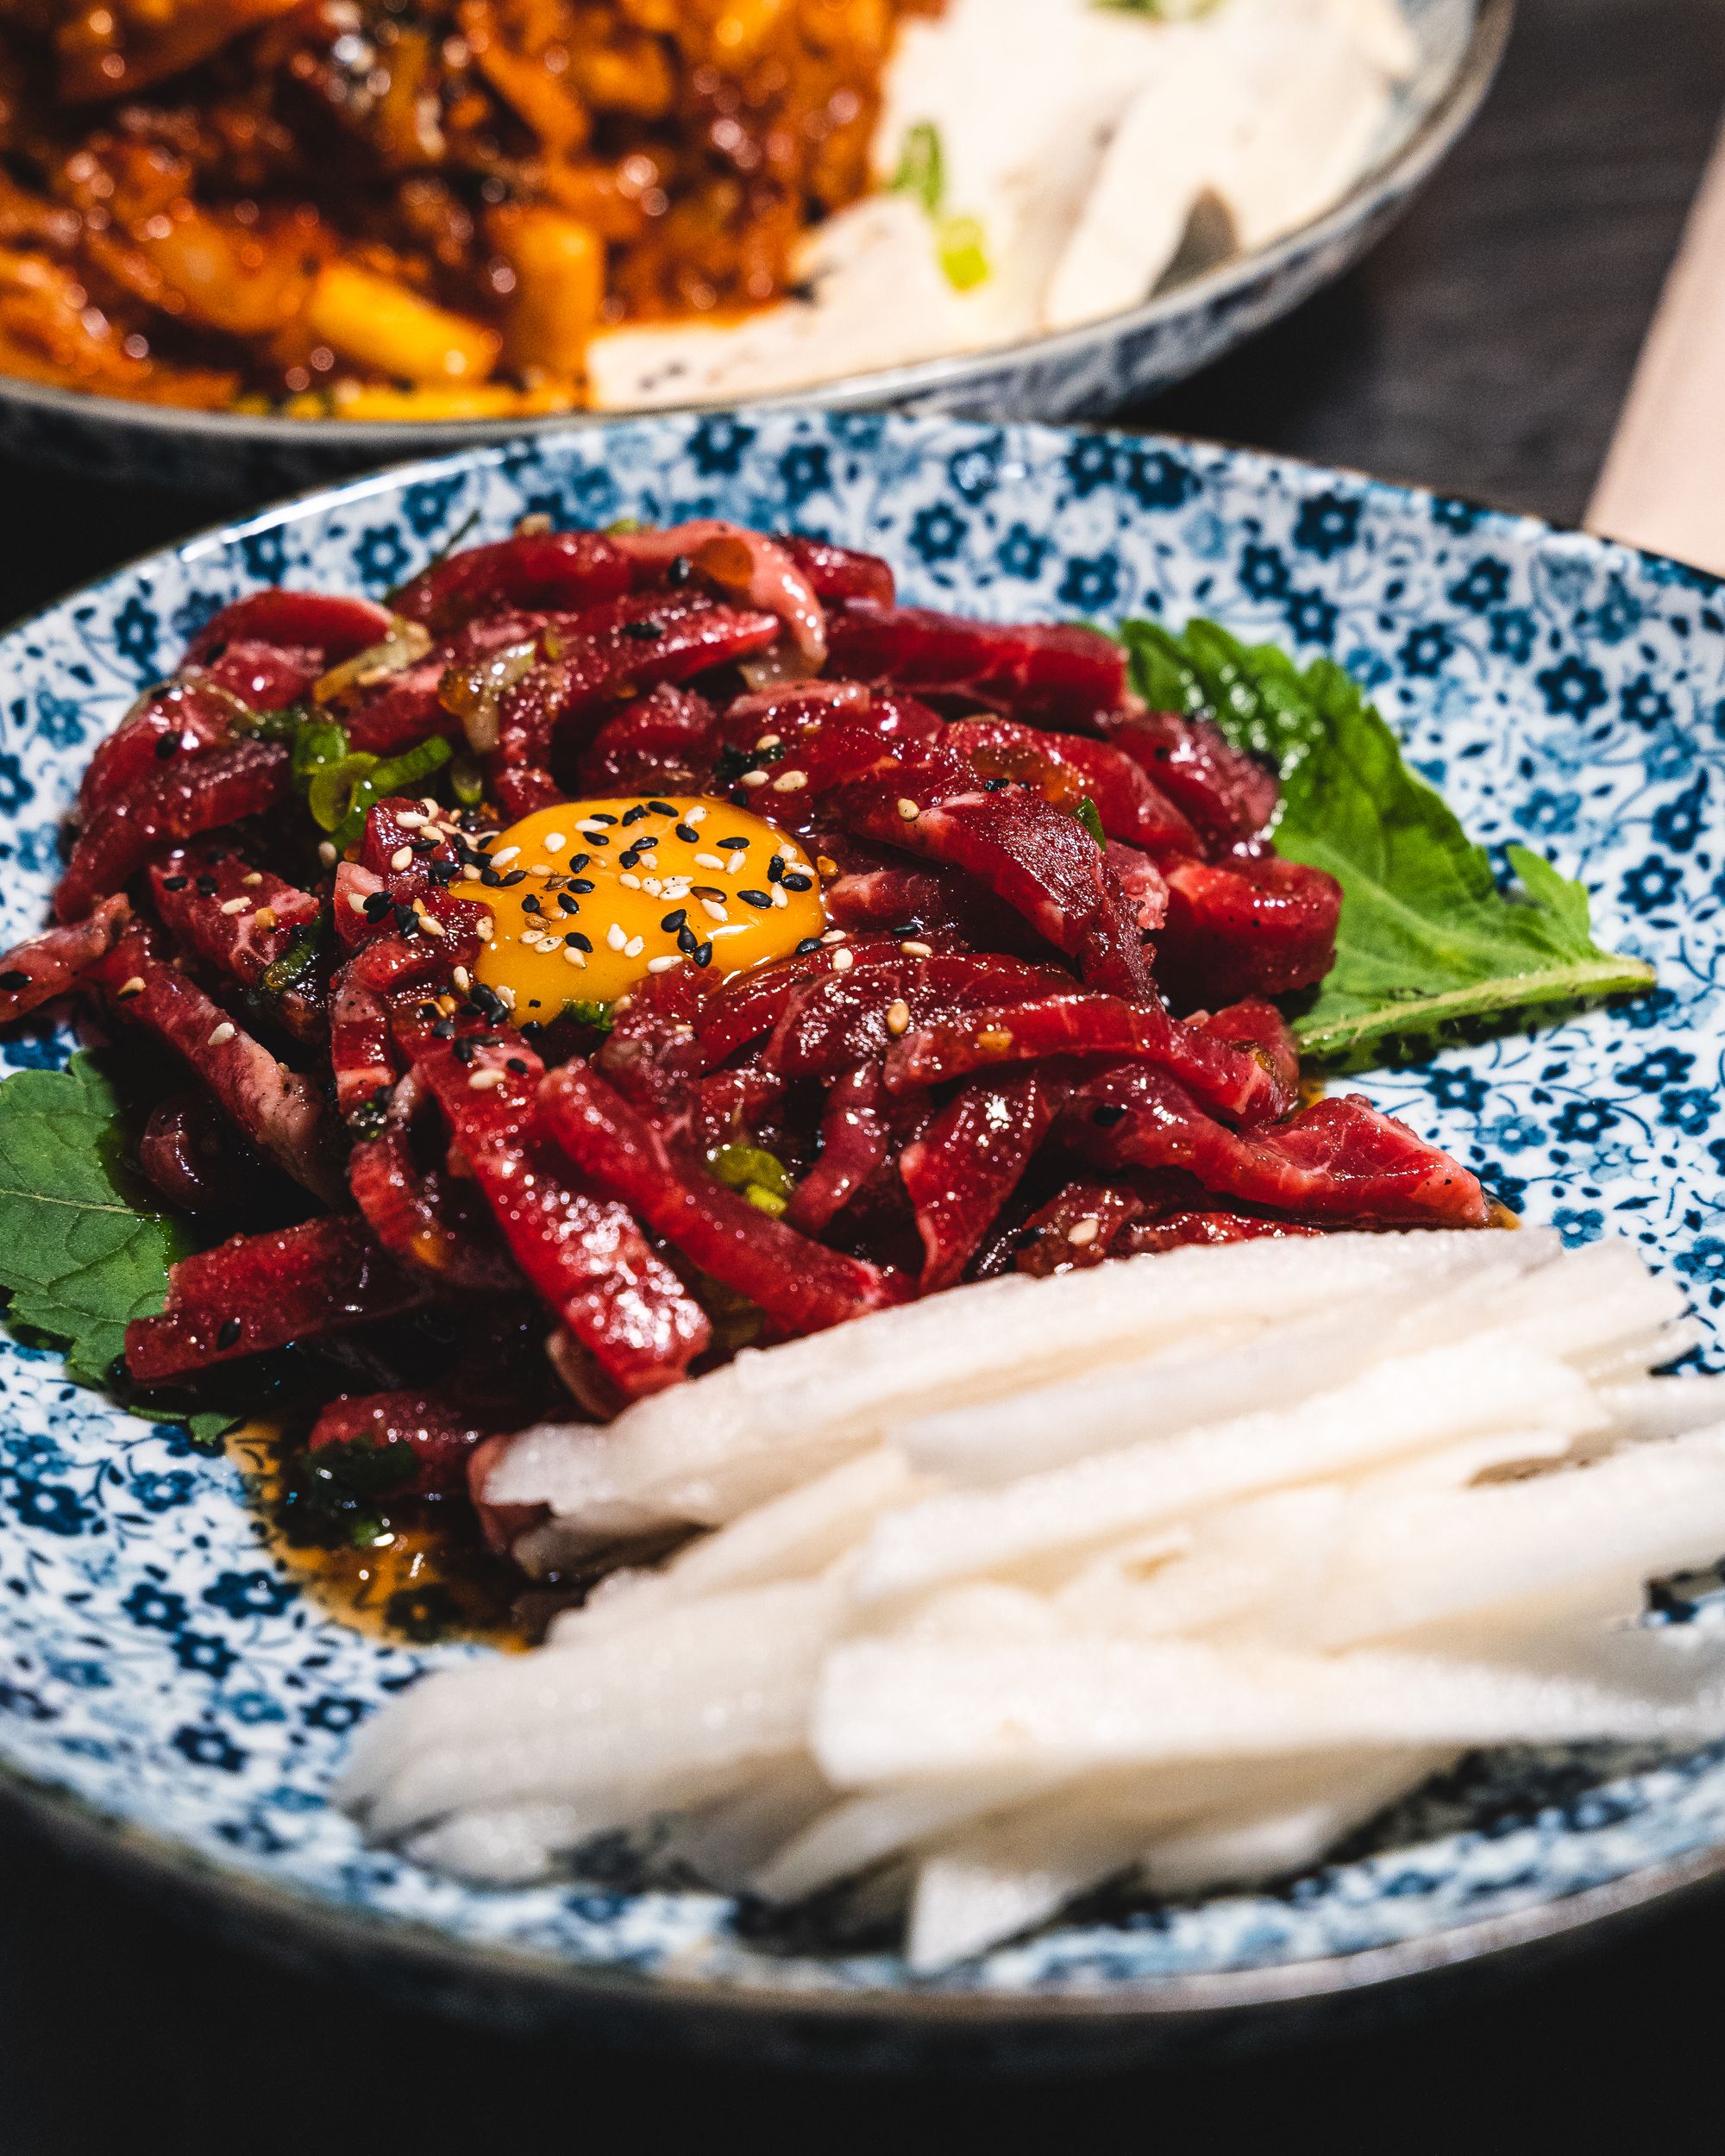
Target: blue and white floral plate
{"type": "Point", "coordinates": [166, 1686]}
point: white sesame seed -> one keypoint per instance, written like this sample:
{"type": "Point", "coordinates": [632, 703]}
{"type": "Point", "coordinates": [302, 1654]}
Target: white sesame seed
{"type": "Point", "coordinates": [554, 842]}
{"type": "Point", "coordinates": [483, 1081]}
{"type": "Point", "coordinates": [843, 960]}
{"type": "Point", "coordinates": [410, 819]}
{"type": "Point", "coordinates": [135, 987]}
{"type": "Point", "coordinates": [502, 860]}
{"type": "Point", "coordinates": [462, 979]}
{"type": "Point", "coordinates": [505, 997]}
{"type": "Point", "coordinates": [326, 853]}
{"type": "Point", "coordinates": [663, 965]}
{"type": "Point", "coordinates": [634, 947]}
{"type": "Point", "coordinates": [356, 901]}
{"type": "Point", "coordinates": [234, 906]}
{"type": "Point", "coordinates": [753, 779]}
{"type": "Point", "coordinates": [769, 741]}
{"type": "Point", "coordinates": [652, 886]}
{"type": "Point", "coordinates": [708, 860]}
{"type": "Point", "coordinates": [908, 810]}
{"type": "Point", "coordinates": [538, 867]}
{"type": "Point", "coordinates": [833, 935]}
{"type": "Point", "coordinates": [714, 910]}
{"type": "Point", "coordinates": [734, 862]}
{"type": "Point", "coordinates": [615, 936]}
{"type": "Point", "coordinates": [897, 1017]}
{"type": "Point", "coordinates": [790, 782]}
{"type": "Point", "coordinates": [587, 830]}
{"type": "Point", "coordinates": [917, 950]}
{"type": "Point", "coordinates": [429, 805]}
{"type": "Point", "coordinates": [1083, 1231]}
{"type": "Point", "coordinates": [779, 897]}
{"type": "Point", "coordinates": [401, 858]}
{"type": "Point", "coordinates": [254, 879]}
{"type": "Point", "coordinates": [697, 817]}
{"type": "Point", "coordinates": [629, 882]}
{"type": "Point", "coordinates": [573, 957]}
{"type": "Point", "coordinates": [485, 929]}
{"type": "Point", "coordinates": [223, 1034]}
{"type": "Point", "coordinates": [431, 924]}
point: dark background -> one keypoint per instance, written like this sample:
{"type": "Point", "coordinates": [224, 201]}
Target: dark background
{"type": "Point", "coordinates": [1485, 349]}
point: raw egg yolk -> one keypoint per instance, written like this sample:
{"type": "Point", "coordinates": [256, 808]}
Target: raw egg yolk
{"type": "Point", "coordinates": [589, 897]}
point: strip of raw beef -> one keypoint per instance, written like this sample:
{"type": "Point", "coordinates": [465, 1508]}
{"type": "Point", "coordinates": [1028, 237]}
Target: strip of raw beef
{"type": "Point", "coordinates": [242, 920]}
{"type": "Point", "coordinates": [1262, 927]}
{"type": "Point", "coordinates": [968, 1163]}
{"type": "Point", "coordinates": [1229, 797]}
{"type": "Point", "coordinates": [1046, 673]}
{"type": "Point", "coordinates": [36, 971]}
{"type": "Point", "coordinates": [802, 1285]}
{"type": "Point", "coordinates": [256, 1292]}
{"type": "Point", "coordinates": [182, 799]}
{"type": "Point", "coordinates": [535, 570]}
{"type": "Point", "coordinates": [745, 565]}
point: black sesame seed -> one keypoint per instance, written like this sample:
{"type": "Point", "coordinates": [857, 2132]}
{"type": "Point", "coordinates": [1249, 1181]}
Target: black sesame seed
{"type": "Point", "coordinates": [205, 887]}
{"type": "Point", "coordinates": [758, 899]}
{"type": "Point", "coordinates": [440, 871]}
{"type": "Point", "coordinates": [491, 878]}
{"type": "Point", "coordinates": [729, 845]}
{"type": "Point", "coordinates": [995, 786]}
{"type": "Point", "coordinates": [577, 883]}
{"type": "Point", "coordinates": [594, 838]}
{"type": "Point", "coordinates": [531, 902]}
{"type": "Point", "coordinates": [797, 883]}
{"type": "Point", "coordinates": [533, 1029]}
{"type": "Point", "coordinates": [1107, 1115]}
{"type": "Point", "coordinates": [227, 1333]}
{"type": "Point", "coordinates": [426, 1012]}
{"type": "Point", "coordinates": [679, 569]}
{"type": "Point", "coordinates": [404, 917]}
{"type": "Point", "coordinates": [377, 905]}
{"type": "Point", "coordinates": [580, 861]}
{"type": "Point", "coordinates": [578, 940]}
{"type": "Point", "coordinates": [518, 1065]}
{"type": "Point", "coordinates": [490, 1004]}
{"type": "Point", "coordinates": [167, 746]}
{"type": "Point", "coordinates": [444, 1030]}
{"type": "Point", "coordinates": [702, 954]}
{"type": "Point", "coordinates": [687, 942]}
{"type": "Point", "coordinates": [569, 902]}
{"type": "Point", "coordinates": [645, 632]}
{"type": "Point", "coordinates": [674, 918]}
{"type": "Point", "coordinates": [661, 808]}
{"type": "Point", "coordinates": [634, 815]}
{"type": "Point", "coordinates": [600, 815]}
{"type": "Point", "coordinates": [808, 945]}
{"type": "Point", "coordinates": [462, 1051]}
{"type": "Point", "coordinates": [627, 859]}
{"type": "Point", "coordinates": [688, 834]}
{"type": "Point", "coordinates": [514, 876]}
{"type": "Point", "coordinates": [14, 977]}
{"type": "Point", "coordinates": [175, 883]}
{"type": "Point", "coordinates": [906, 928]}
{"type": "Point", "coordinates": [775, 869]}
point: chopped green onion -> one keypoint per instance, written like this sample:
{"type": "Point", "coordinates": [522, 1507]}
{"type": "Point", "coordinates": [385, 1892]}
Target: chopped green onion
{"type": "Point", "coordinates": [317, 744]}
{"type": "Point", "coordinates": [333, 787]}
{"type": "Point", "coordinates": [295, 962]}
{"type": "Point", "coordinates": [597, 1015]}
{"type": "Point", "coordinates": [959, 242]}
{"type": "Point", "coordinates": [467, 782]}
{"type": "Point", "coordinates": [922, 166]}
{"type": "Point", "coordinates": [750, 1169]}
{"type": "Point", "coordinates": [764, 1200]}
{"type": "Point", "coordinates": [1090, 817]}
{"type": "Point", "coordinates": [377, 781]}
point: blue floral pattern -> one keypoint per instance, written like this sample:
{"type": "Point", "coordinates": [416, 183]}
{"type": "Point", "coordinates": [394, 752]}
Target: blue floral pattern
{"type": "Point", "coordinates": [156, 1665]}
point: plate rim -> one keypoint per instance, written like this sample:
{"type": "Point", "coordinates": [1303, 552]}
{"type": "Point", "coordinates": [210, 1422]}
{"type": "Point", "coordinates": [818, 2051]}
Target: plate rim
{"type": "Point", "coordinates": [1386, 183]}
{"type": "Point", "coordinates": [358, 1934]}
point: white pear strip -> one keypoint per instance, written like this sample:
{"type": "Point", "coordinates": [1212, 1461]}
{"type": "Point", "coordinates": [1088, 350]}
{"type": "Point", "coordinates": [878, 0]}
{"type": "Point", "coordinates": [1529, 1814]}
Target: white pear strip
{"type": "Point", "coordinates": [509, 1845]}
{"type": "Point", "coordinates": [700, 1686]}
{"type": "Point", "coordinates": [891, 1711]}
{"type": "Point", "coordinates": [724, 1842]}
{"type": "Point", "coordinates": [1002, 1878]}
{"type": "Point", "coordinates": [705, 1451]}
{"type": "Point", "coordinates": [1279, 1840]}
{"type": "Point", "coordinates": [1499, 1453]}
{"type": "Point", "coordinates": [1424, 1399]}
{"type": "Point", "coordinates": [1215, 1379]}
{"type": "Point", "coordinates": [1665, 1407]}
{"type": "Point", "coordinates": [1600, 1529]}
{"type": "Point", "coordinates": [863, 1831]}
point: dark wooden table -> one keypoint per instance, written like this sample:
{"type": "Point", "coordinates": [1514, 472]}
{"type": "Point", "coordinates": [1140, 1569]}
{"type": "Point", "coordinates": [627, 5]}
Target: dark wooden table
{"type": "Point", "coordinates": [1485, 349]}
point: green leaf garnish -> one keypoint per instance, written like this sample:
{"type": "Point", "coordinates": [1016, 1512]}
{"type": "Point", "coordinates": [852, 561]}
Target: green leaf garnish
{"type": "Point", "coordinates": [80, 1255]}
{"type": "Point", "coordinates": [1430, 948]}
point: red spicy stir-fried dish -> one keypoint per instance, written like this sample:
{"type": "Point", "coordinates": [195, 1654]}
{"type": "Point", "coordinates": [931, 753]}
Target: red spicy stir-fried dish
{"type": "Point", "coordinates": [620, 948]}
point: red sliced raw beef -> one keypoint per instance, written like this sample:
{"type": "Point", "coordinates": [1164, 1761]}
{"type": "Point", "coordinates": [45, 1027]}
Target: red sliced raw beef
{"type": "Point", "coordinates": [538, 570]}
{"type": "Point", "coordinates": [46, 966]}
{"type": "Point", "coordinates": [968, 1163]}
{"type": "Point", "coordinates": [1245, 927]}
{"type": "Point", "coordinates": [1046, 673]}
